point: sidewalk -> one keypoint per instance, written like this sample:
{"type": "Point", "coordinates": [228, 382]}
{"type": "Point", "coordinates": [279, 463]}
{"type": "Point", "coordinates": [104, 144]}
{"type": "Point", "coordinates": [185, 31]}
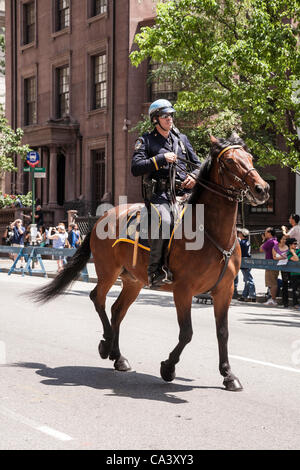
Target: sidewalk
{"type": "Point", "coordinates": [51, 270]}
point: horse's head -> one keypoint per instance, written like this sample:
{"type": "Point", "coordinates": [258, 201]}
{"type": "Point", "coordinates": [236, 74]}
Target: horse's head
{"type": "Point", "coordinates": [234, 170]}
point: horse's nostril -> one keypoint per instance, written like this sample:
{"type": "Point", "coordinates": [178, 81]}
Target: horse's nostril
{"type": "Point", "coordinates": [259, 189]}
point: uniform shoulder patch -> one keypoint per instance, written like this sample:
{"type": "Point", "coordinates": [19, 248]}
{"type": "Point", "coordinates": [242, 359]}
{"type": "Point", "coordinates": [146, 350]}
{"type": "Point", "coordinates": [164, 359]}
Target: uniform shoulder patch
{"type": "Point", "coordinates": [138, 144]}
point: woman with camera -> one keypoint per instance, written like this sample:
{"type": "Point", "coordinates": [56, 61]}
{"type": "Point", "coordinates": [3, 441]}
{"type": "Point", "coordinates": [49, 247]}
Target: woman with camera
{"type": "Point", "coordinates": [59, 238]}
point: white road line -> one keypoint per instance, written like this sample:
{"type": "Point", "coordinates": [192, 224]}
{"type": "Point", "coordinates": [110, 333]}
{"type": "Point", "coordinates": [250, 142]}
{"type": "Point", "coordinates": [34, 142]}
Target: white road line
{"type": "Point", "coordinates": [29, 422]}
{"type": "Point", "coordinates": [263, 363]}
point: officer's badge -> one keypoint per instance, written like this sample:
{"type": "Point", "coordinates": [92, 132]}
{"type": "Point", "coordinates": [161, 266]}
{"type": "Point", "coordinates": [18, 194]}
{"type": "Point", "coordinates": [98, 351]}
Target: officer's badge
{"type": "Point", "coordinates": [138, 144]}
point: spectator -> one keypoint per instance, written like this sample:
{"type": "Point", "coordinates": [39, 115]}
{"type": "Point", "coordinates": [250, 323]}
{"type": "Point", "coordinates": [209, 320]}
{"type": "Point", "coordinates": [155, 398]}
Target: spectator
{"type": "Point", "coordinates": [43, 233]}
{"type": "Point", "coordinates": [59, 237]}
{"type": "Point", "coordinates": [280, 252]}
{"type": "Point", "coordinates": [269, 242]}
{"type": "Point", "coordinates": [18, 237]}
{"type": "Point", "coordinates": [236, 280]}
{"type": "Point", "coordinates": [294, 232]}
{"type": "Point", "coordinates": [74, 236]}
{"type": "Point", "coordinates": [39, 216]}
{"type": "Point", "coordinates": [294, 255]}
{"type": "Point", "coordinates": [249, 293]}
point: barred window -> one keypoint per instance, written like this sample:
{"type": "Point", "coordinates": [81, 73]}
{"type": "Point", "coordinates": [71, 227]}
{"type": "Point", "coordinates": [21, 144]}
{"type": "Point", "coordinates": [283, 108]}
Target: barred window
{"type": "Point", "coordinates": [30, 101]}
{"type": "Point", "coordinates": [29, 22]}
{"type": "Point", "coordinates": [269, 206]}
{"type": "Point", "coordinates": [63, 95]}
{"type": "Point", "coordinates": [98, 168]}
{"type": "Point", "coordinates": [63, 14]}
{"type": "Point", "coordinates": [161, 87]}
{"type": "Point", "coordinates": [99, 81]}
{"type": "Point", "coordinates": [99, 7]}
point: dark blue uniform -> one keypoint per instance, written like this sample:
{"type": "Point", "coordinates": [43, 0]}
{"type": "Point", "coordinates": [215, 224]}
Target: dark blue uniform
{"type": "Point", "coordinates": [149, 160]}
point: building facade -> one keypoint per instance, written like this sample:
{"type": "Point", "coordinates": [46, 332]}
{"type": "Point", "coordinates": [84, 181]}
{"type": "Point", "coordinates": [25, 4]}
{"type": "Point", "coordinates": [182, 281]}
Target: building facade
{"type": "Point", "coordinates": [71, 88]}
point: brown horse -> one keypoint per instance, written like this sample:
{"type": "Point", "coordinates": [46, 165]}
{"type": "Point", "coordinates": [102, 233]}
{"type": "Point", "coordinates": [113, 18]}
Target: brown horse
{"type": "Point", "coordinates": [226, 177]}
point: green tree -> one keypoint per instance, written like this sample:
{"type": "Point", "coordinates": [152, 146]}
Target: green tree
{"type": "Point", "coordinates": [10, 144]}
{"type": "Point", "coordinates": [237, 66]}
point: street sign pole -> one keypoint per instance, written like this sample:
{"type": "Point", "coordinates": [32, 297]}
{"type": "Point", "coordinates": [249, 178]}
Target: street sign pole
{"type": "Point", "coordinates": [33, 194]}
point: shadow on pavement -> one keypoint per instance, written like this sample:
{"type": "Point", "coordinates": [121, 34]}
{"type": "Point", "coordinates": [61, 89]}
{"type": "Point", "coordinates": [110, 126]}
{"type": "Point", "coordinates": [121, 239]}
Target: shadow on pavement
{"type": "Point", "coordinates": [130, 384]}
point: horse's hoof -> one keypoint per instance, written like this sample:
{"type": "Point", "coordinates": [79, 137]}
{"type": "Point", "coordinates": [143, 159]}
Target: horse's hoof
{"type": "Point", "coordinates": [103, 349]}
{"type": "Point", "coordinates": [167, 372]}
{"type": "Point", "coordinates": [122, 364]}
{"type": "Point", "coordinates": [233, 385]}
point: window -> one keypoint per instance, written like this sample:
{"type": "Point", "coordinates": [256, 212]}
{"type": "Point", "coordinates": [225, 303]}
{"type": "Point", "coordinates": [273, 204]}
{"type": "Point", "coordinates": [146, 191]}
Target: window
{"type": "Point", "coordinates": [63, 14]}
{"type": "Point", "coordinates": [30, 101]}
{"type": "Point", "coordinates": [269, 206]}
{"type": "Point", "coordinates": [63, 91]}
{"type": "Point", "coordinates": [161, 87]}
{"type": "Point", "coordinates": [98, 159]}
{"type": "Point", "coordinates": [99, 7]}
{"type": "Point", "coordinates": [29, 22]}
{"type": "Point", "coordinates": [99, 81]}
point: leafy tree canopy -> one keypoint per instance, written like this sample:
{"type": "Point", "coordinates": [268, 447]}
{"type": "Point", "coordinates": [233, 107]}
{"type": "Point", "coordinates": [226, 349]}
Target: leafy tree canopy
{"type": "Point", "coordinates": [237, 66]}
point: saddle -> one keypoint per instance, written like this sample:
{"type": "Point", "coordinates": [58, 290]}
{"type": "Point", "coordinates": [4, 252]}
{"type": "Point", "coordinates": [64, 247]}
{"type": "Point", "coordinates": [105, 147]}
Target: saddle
{"type": "Point", "coordinates": [138, 220]}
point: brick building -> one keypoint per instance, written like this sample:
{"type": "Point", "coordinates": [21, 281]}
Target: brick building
{"type": "Point", "coordinates": [71, 87]}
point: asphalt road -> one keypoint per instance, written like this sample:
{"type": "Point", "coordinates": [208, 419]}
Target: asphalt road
{"type": "Point", "coordinates": [56, 392]}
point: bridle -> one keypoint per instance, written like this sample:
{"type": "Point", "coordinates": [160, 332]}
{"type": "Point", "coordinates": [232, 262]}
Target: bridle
{"type": "Point", "coordinates": [230, 193]}
{"type": "Point", "coordinates": [234, 194]}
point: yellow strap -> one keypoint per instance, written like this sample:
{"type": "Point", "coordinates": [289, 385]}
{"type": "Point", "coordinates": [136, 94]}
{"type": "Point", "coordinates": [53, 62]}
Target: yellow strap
{"type": "Point", "coordinates": [227, 148]}
{"type": "Point", "coordinates": [129, 241]}
{"type": "Point", "coordinates": [155, 163]}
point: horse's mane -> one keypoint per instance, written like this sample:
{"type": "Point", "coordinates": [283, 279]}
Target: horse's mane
{"type": "Point", "coordinates": [204, 172]}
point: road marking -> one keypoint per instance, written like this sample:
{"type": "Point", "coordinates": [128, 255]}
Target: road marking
{"type": "Point", "coordinates": [29, 422]}
{"type": "Point", "coordinates": [263, 363]}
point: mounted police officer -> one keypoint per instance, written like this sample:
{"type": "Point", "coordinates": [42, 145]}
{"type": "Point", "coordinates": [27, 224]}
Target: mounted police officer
{"type": "Point", "coordinates": [155, 156]}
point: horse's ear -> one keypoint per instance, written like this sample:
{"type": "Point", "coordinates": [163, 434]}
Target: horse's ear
{"type": "Point", "coordinates": [213, 139]}
{"type": "Point", "coordinates": [234, 136]}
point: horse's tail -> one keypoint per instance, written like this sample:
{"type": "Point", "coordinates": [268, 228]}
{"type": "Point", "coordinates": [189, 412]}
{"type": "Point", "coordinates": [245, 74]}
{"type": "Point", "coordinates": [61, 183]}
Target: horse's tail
{"type": "Point", "coordinates": [66, 276]}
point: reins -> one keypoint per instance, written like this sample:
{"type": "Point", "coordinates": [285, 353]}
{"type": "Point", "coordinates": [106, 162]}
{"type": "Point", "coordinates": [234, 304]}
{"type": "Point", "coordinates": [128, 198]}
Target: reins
{"type": "Point", "coordinates": [231, 194]}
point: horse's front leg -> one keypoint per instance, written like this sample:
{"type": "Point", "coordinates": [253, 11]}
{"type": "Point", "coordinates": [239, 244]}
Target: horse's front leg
{"type": "Point", "coordinates": [183, 304]}
{"type": "Point", "coordinates": [221, 305]}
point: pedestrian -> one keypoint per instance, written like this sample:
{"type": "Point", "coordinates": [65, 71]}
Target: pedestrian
{"type": "Point", "coordinates": [18, 238]}
{"type": "Point", "coordinates": [59, 237]}
{"type": "Point", "coordinates": [271, 276]}
{"type": "Point", "coordinates": [294, 232]}
{"type": "Point", "coordinates": [73, 236]}
{"type": "Point", "coordinates": [294, 255]}
{"type": "Point", "coordinates": [156, 154]}
{"type": "Point", "coordinates": [279, 253]}
{"type": "Point", "coordinates": [39, 216]}
{"type": "Point", "coordinates": [249, 292]}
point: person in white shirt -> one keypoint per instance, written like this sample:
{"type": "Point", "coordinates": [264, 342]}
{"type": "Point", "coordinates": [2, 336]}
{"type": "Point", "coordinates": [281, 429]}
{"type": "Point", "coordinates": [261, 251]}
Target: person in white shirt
{"type": "Point", "coordinates": [294, 232]}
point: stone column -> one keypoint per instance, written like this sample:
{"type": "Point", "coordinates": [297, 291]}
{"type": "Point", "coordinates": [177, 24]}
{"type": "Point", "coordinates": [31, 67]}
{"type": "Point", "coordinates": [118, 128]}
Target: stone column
{"type": "Point", "coordinates": [52, 175]}
{"type": "Point", "coordinates": [70, 183]}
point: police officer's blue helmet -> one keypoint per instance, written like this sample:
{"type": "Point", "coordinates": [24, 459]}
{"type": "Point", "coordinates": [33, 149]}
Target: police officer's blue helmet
{"type": "Point", "coordinates": [160, 107]}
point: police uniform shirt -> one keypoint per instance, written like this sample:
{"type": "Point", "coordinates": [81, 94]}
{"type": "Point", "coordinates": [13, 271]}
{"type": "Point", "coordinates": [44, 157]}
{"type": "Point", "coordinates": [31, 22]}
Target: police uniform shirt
{"type": "Point", "coordinates": [148, 158]}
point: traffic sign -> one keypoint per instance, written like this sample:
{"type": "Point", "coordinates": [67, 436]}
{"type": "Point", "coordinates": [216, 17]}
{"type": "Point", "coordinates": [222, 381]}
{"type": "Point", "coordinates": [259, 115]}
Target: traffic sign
{"type": "Point", "coordinates": [33, 158]}
{"type": "Point", "coordinates": [36, 170]}
{"type": "Point", "coordinates": [39, 174]}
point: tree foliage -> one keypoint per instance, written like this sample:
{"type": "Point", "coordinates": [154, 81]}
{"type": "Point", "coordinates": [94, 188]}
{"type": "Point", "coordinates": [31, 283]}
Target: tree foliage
{"type": "Point", "coordinates": [237, 67]}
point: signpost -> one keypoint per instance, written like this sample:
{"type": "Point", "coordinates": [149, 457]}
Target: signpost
{"type": "Point", "coordinates": [33, 159]}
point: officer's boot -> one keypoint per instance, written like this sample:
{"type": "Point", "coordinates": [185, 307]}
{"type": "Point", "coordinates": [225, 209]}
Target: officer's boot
{"type": "Point", "coordinates": [158, 274]}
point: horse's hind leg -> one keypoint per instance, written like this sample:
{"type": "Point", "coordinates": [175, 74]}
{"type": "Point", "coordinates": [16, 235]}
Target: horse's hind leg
{"type": "Point", "coordinates": [129, 293]}
{"type": "Point", "coordinates": [98, 297]}
{"type": "Point", "coordinates": [221, 306]}
{"type": "Point", "coordinates": [183, 304]}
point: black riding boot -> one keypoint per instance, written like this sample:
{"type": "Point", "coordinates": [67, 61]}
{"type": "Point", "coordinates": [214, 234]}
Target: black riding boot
{"type": "Point", "coordinates": [158, 273]}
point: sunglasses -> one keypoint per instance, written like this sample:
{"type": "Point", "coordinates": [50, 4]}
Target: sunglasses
{"type": "Point", "coordinates": [166, 115]}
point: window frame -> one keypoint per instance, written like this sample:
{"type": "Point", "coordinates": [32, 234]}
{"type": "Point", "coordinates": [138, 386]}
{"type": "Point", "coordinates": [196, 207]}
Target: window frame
{"type": "Point", "coordinates": [24, 42]}
{"type": "Point", "coordinates": [58, 111]}
{"type": "Point", "coordinates": [28, 122]}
